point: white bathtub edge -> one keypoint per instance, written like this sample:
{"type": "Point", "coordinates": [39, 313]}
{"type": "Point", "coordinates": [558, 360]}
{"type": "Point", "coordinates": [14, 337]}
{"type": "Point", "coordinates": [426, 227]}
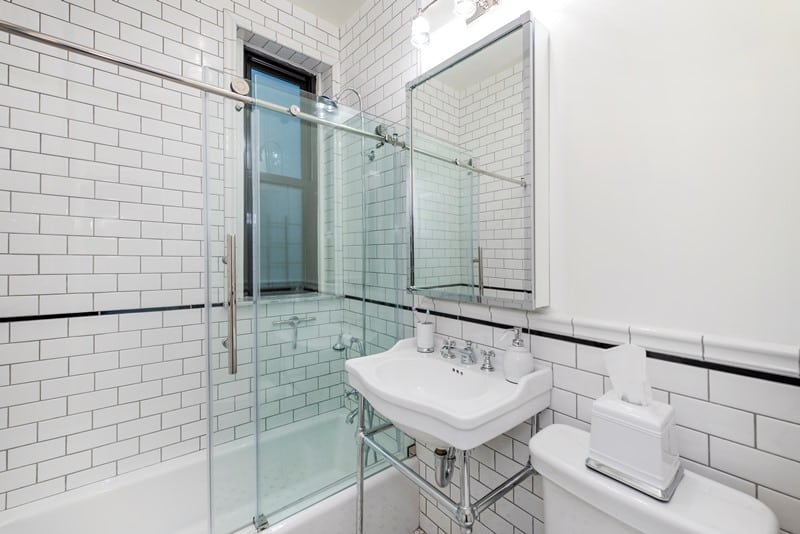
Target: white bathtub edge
{"type": "Point", "coordinates": [102, 487]}
{"type": "Point", "coordinates": [389, 481]}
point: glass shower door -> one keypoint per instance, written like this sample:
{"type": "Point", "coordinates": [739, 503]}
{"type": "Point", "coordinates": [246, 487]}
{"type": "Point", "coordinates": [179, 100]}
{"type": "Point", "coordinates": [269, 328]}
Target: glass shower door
{"type": "Point", "coordinates": [306, 448]}
{"type": "Point", "coordinates": [304, 444]}
{"type": "Point", "coordinates": [231, 328]}
{"type": "Point", "coordinates": [282, 423]}
{"type": "Point", "coordinates": [297, 380]}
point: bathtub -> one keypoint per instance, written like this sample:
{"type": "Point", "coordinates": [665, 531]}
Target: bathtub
{"type": "Point", "coordinates": [168, 498]}
{"type": "Point", "coordinates": [172, 498]}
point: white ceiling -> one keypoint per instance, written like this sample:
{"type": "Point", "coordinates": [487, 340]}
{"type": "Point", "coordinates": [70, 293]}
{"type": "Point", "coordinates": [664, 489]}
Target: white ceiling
{"type": "Point", "coordinates": [335, 11]}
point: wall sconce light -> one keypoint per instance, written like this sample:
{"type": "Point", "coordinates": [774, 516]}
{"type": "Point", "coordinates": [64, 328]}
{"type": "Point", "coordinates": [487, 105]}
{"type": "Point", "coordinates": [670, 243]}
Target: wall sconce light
{"type": "Point", "coordinates": [464, 9]}
{"type": "Point", "coordinates": [420, 30]}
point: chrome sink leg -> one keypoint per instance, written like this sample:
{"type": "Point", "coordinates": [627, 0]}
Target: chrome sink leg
{"type": "Point", "coordinates": [360, 467]}
{"type": "Point", "coordinates": [466, 511]}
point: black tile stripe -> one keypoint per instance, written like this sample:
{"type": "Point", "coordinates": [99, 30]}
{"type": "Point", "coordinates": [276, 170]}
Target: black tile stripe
{"type": "Point", "coordinates": [20, 318]}
{"type": "Point", "coordinates": [703, 364]}
{"type": "Point", "coordinates": [713, 366]}
{"type": "Point", "coordinates": [442, 286]}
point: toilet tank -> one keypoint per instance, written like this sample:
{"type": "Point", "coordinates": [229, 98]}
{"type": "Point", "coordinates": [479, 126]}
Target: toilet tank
{"type": "Point", "coordinates": [578, 500]}
{"type": "Point", "coordinates": [564, 513]}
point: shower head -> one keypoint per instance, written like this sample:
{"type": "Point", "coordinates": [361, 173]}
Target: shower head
{"type": "Point", "coordinates": [326, 106]}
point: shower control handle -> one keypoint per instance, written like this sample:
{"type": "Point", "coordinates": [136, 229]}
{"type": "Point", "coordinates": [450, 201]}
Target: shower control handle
{"type": "Point", "coordinates": [294, 321]}
{"type": "Point", "coordinates": [230, 342]}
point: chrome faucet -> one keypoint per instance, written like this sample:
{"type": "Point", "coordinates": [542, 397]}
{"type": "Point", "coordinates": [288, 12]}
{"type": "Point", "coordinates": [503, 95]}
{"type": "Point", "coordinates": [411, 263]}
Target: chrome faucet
{"type": "Point", "coordinates": [351, 416]}
{"type": "Point", "coordinates": [487, 360]}
{"type": "Point", "coordinates": [449, 350]}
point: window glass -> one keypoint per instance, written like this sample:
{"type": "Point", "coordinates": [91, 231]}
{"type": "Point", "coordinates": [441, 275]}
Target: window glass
{"type": "Point", "coordinates": [280, 144]}
{"type": "Point", "coordinates": [285, 167]}
{"type": "Point", "coordinates": [281, 236]}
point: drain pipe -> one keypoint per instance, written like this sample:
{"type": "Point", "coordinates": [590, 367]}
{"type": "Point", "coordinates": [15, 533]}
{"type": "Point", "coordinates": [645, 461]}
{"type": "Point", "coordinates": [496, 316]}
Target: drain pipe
{"type": "Point", "coordinates": [443, 461]}
{"type": "Point", "coordinates": [464, 513]}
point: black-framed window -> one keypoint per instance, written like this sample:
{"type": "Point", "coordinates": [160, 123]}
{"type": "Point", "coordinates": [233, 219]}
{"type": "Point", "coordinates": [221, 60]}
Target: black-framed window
{"type": "Point", "coordinates": [281, 153]}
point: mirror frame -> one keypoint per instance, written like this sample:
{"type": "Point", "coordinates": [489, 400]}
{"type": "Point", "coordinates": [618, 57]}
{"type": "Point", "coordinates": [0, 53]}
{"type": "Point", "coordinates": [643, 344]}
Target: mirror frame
{"type": "Point", "coordinates": [536, 60]}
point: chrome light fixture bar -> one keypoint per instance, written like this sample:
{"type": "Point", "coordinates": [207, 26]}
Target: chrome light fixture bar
{"type": "Point", "coordinates": [468, 10]}
{"type": "Point", "coordinates": [481, 7]}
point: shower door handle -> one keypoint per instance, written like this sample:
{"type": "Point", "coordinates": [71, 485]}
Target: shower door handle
{"type": "Point", "coordinates": [230, 342]}
{"type": "Point", "coordinates": [479, 261]}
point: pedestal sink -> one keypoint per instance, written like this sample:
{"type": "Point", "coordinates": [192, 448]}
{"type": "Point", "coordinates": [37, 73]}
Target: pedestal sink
{"type": "Point", "coordinates": [442, 402]}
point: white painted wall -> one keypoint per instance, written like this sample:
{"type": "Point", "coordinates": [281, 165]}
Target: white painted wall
{"type": "Point", "coordinates": [674, 161]}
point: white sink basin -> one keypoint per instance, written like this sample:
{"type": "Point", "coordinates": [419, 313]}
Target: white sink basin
{"type": "Point", "coordinates": [442, 402]}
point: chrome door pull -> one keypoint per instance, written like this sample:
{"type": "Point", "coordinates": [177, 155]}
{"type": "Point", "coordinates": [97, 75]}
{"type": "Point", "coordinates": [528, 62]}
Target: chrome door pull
{"type": "Point", "coordinates": [479, 261]}
{"type": "Point", "coordinates": [230, 342]}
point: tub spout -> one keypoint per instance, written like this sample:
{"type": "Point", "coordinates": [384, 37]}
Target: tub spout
{"type": "Point", "coordinates": [352, 416]}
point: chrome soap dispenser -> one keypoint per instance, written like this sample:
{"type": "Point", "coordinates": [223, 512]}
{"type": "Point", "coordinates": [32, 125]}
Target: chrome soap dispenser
{"type": "Point", "coordinates": [518, 360]}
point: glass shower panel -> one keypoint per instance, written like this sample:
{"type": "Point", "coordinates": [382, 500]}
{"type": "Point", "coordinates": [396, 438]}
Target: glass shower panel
{"type": "Point", "coordinates": [300, 378]}
{"type": "Point", "coordinates": [383, 222]}
{"type": "Point", "coordinates": [282, 425]}
{"type": "Point", "coordinates": [306, 445]}
{"type": "Point", "coordinates": [230, 335]}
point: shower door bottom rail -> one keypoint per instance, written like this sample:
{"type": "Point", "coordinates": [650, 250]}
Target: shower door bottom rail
{"type": "Point", "coordinates": [464, 513]}
{"type": "Point", "coordinates": [260, 522]}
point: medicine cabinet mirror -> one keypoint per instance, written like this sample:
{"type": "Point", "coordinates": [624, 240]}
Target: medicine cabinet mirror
{"type": "Point", "coordinates": [479, 172]}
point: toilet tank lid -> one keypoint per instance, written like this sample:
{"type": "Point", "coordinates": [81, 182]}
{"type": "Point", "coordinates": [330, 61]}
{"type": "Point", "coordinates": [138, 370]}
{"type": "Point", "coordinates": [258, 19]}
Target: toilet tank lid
{"type": "Point", "coordinates": [699, 506]}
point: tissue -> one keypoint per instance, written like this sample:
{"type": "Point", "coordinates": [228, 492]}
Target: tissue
{"type": "Point", "coordinates": [627, 369]}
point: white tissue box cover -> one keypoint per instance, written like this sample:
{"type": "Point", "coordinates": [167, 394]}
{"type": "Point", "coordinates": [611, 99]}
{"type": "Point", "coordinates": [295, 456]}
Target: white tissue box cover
{"type": "Point", "coordinates": [639, 441]}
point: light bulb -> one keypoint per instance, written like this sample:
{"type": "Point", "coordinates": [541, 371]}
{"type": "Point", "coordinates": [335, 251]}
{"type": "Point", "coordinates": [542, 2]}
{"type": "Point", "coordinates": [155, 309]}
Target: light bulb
{"type": "Point", "coordinates": [420, 31]}
{"type": "Point", "coordinates": [464, 8]}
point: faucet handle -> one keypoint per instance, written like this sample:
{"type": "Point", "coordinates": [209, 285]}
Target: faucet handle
{"type": "Point", "coordinates": [487, 360]}
{"type": "Point", "coordinates": [468, 344]}
{"type": "Point", "coordinates": [445, 351]}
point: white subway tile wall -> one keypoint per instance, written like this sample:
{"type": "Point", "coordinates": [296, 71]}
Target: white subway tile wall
{"type": "Point", "coordinates": [305, 380]}
{"type": "Point", "coordinates": [746, 445]}
{"type": "Point", "coordinates": [101, 210]}
{"type": "Point", "coordinates": [378, 60]}
{"type": "Point", "coordinates": [82, 404]}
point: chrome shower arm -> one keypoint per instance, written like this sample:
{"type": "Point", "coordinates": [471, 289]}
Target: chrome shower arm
{"type": "Point", "coordinates": [338, 97]}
